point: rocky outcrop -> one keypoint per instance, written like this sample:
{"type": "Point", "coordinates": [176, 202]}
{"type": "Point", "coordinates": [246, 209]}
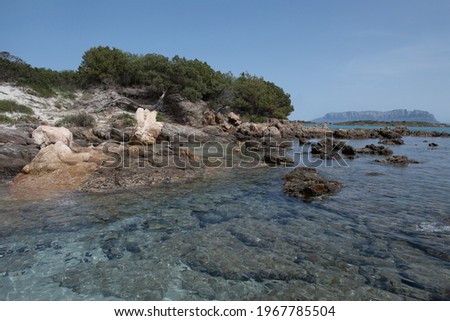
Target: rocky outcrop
{"type": "Point", "coordinates": [58, 166]}
{"type": "Point", "coordinates": [147, 129]}
{"type": "Point", "coordinates": [234, 119]}
{"type": "Point", "coordinates": [391, 142]}
{"type": "Point", "coordinates": [352, 134]}
{"type": "Point", "coordinates": [54, 157]}
{"type": "Point", "coordinates": [46, 135]}
{"type": "Point", "coordinates": [397, 160]}
{"type": "Point", "coordinates": [273, 160]}
{"type": "Point", "coordinates": [375, 150]}
{"type": "Point", "coordinates": [327, 148]}
{"type": "Point", "coordinates": [305, 183]}
{"type": "Point", "coordinates": [171, 132]}
{"type": "Point", "coordinates": [17, 149]}
{"type": "Point", "coordinates": [272, 131]}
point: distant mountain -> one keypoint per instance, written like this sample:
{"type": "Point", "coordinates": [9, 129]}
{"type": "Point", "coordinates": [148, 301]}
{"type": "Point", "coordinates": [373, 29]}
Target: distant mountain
{"type": "Point", "coordinates": [394, 115]}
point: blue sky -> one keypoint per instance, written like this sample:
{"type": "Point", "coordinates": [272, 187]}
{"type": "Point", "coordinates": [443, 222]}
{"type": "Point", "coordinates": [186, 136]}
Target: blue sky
{"type": "Point", "coordinates": [330, 55]}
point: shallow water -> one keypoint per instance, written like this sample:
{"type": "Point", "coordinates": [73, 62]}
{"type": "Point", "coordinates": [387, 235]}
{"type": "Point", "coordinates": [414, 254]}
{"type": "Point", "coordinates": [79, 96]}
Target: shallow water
{"type": "Point", "coordinates": [236, 236]}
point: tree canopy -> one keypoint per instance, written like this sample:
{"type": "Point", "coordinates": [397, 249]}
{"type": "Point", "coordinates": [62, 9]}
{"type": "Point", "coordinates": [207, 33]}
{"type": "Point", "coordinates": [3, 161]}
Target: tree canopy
{"type": "Point", "coordinates": [194, 80]}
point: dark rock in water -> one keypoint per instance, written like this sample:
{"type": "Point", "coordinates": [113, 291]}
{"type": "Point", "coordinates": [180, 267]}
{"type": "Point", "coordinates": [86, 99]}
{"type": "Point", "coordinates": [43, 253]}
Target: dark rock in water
{"type": "Point", "coordinates": [433, 145]}
{"type": "Point", "coordinates": [132, 247]}
{"type": "Point", "coordinates": [327, 148]}
{"type": "Point", "coordinates": [306, 183]}
{"type": "Point", "coordinates": [397, 160]}
{"type": "Point", "coordinates": [271, 159]}
{"type": "Point", "coordinates": [348, 150]}
{"type": "Point", "coordinates": [374, 174]}
{"type": "Point", "coordinates": [393, 141]}
{"type": "Point", "coordinates": [375, 150]}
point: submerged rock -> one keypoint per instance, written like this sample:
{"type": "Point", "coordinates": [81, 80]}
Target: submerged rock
{"type": "Point", "coordinates": [328, 148]}
{"type": "Point", "coordinates": [397, 160]}
{"type": "Point", "coordinates": [375, 150]}
{"type": "Point", "coordinates": [306, 183]}
{"type": "Point", "coordinates": [393, 141]}
{"type": "Point", "coordinates": [272, 159]}
{"type": "Point", "coordinates": [348, 150]}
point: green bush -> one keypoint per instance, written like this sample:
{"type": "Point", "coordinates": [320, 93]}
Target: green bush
{"type": "Point", "coordinates": [10, 106]}
{"type": "Point", "coordinates": [126, 120]}
{"type": "Point", "coordinates": [160, 117]}
{"type": "Point", "coordinates": [26, 119]}
{"type": "Point", "coordinates": [6, 120]}
{"type": "Point", "coordinates": [165, 78]}
{"type": "Point", "coordinates": [77, 120]}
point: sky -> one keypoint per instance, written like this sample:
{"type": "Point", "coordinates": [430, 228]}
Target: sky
{"type": "Point", "coordinates": [329, 55]}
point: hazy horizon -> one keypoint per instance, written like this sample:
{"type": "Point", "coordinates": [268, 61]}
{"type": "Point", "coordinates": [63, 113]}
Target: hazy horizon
{"type": "Point", "coordinates": [330, 56]}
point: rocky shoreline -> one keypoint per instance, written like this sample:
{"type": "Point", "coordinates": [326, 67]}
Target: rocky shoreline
{"type": "Point", "coordinates": [113, 155]}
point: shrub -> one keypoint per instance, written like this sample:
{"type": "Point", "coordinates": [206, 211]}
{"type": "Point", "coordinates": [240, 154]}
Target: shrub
{"type": "Point", "coordinates": [6, 120]}
{"type": "Point", "coordinates": [77, 120]}
{"type": "Point", "coordinates": [160, 117]}
{"type": "Point", "coordinates": [10, 106]}
{"type": "Point", "coordinates": [125, 120]}
{"type": "Point", "coordinates": [26, 119]}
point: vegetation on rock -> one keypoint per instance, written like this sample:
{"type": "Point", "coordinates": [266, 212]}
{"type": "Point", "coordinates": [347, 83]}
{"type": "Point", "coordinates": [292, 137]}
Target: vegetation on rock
{"type": "Point", "coordinates": [77, 120]}
{"type": "Point", "coordinates": [194, 80]}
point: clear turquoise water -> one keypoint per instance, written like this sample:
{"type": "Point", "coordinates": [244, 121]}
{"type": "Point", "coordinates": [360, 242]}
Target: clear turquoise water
{"type": "Point", "coordinates": [236, 236]}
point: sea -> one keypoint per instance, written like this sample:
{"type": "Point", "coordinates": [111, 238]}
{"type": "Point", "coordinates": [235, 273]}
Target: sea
{"type": "Point", "coordinates": [234, 235]}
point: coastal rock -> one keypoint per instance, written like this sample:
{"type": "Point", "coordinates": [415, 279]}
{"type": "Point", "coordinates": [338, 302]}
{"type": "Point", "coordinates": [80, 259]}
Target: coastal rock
{"type": "Point", "coordinates": [209, 117]}
{"type": "Point", "coordinates": [327, 148]}
{"type": "Point", "coordinates": [147, 129]}
{"type": "Point", "coordinates": [103, 132]}
{"type": "Point", "coordinates": [14, 157]}
{"type": "Point", "coordinates": [375, 150]}
{"type": "Point", "coordinates": [45, 135]}
{"type": "Point", "coordinates": [55, 169]}
{"type": "Point", "coordinates": [271, 159]}
{"type": "Point", "coordinates": [171, 132]}
{"type": "Point", "coordinates": [397, 160]}
{"type": "Point", "coordinates": [348, 150]}
{"type": "Point", "coordinates": [121, 135]}
{"type": "Point", "coordinates": [220, 118]}
{"type": "Point", "coordinates": [273, 132]}
{"type": "Point", "coordinates": [391, 141]}
{"type": "Point", "coordinates": [85, 137]}
{"type": "Point", "coordinates": [388, 133]}
{"type": "Point", "coordinates": [17, 149]}
{"type": "Point", "coordinates": [306, 183]}
{"type": "Point", "coordinates": [234, 119]}
{"type": "Point", "coordinates": [251, 130]}
{"type": "Point", "coordinates": [352, 134]}
{"type": "Point", "coordinates": [15, 136]}
{"type": "Point", "coordinates": [54, 157]}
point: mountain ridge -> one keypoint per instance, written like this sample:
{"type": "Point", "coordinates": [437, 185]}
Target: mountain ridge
{"type": "Point", "coordinates": [392, 115]}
